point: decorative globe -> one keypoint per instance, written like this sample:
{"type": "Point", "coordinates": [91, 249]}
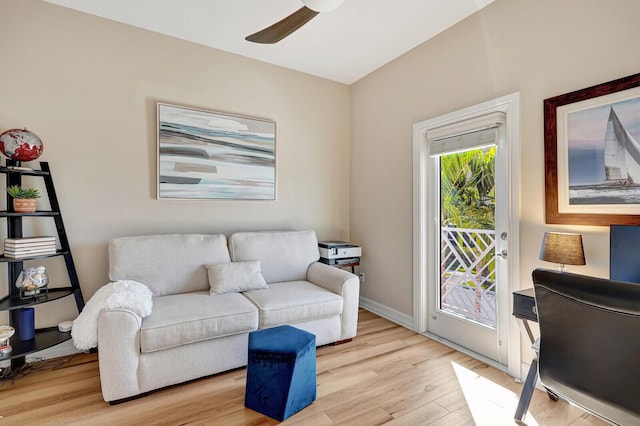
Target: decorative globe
{"type": "Point", "coordinates": [20, 145]}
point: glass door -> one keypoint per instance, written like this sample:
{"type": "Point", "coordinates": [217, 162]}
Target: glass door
{"type": "Point", "coordinates": [467, 210]}
{"type": "Point", "coordinates": [465, 218]}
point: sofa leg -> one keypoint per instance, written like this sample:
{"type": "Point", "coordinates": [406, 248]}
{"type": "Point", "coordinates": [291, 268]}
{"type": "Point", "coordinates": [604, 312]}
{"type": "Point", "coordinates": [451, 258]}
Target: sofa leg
{"type": "Point", "coordinates": [339, 342]}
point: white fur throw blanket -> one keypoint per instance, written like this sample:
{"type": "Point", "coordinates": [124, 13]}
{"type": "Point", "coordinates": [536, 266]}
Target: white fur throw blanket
{"type": "Point", "coordinates": [125, 294]}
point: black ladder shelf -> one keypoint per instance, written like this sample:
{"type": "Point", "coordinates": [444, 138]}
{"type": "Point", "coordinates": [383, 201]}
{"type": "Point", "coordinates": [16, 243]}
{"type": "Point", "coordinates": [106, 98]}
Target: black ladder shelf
{"type": "Point", "coordinates": [45, 337]}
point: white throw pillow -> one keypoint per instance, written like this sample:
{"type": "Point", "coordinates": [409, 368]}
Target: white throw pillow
{"type": "Point", "coordinates": [235, 277]}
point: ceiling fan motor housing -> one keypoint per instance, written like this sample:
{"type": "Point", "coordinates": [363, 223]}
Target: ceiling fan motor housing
{"type": "Point", "coordinates": [322, 5]}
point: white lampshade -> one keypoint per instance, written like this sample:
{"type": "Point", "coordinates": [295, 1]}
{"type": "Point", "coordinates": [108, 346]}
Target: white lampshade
{"type": "Point", "coordinates": [322, 5]}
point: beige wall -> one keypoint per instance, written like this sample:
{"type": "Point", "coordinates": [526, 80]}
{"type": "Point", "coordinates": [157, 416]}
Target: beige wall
{"type": "Point", "coordinates": [88, 87]}
{"type": "Point", "coordinates": [540, 48]}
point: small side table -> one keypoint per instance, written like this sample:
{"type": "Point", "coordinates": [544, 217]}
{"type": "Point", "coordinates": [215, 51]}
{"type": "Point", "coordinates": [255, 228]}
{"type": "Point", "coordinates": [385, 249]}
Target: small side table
{"type": "Point", "coordinates": [336, 264]}
{"type": "Point", "coordinates": [352, 265]}
{"type": "Point", "coordinates": [524, 308]}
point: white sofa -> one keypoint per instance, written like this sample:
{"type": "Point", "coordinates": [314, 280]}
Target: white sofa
{"type": "Point", "coordinates": [192, 333]}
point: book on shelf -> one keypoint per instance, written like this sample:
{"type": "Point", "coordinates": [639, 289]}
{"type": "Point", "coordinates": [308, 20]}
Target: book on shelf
{"type": "Point", "coordinates": [36, 244]}
{"type": "Point", "coordinates": [31, 254]}
{"type": "Point", "coordinates": [30, 240]}
{"type": "Point", "coordinates": [29, 246]}
{"type": "Point", "coordinates": [27, 249]}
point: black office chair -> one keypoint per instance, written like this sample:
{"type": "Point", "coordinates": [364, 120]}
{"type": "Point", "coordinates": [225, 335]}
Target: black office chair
{"type": "Point", "coordinates": [590, 342]}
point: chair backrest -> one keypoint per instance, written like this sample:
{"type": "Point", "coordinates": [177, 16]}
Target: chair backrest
{"type": "Point", "coordinates": [590, 342]}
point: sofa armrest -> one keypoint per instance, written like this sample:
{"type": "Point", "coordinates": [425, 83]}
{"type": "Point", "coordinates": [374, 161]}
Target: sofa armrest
{"type": "Point", "coordinates": [119, 353]}
{"type": "Point", "coordinates": [344, 284]}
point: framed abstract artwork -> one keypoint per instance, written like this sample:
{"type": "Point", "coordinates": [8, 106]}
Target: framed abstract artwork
{"type": "Point", "coordinates": [592, 155]}
{"type": "Point", "coordinates": [212, 155]}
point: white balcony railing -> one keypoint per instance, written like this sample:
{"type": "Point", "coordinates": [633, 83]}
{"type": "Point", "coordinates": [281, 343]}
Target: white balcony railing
{"type": "Point", "coordinates": [467, 274]}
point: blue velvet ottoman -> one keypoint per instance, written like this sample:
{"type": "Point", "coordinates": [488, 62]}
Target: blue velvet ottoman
{"type": "Point", "coordinates": [281, 371]}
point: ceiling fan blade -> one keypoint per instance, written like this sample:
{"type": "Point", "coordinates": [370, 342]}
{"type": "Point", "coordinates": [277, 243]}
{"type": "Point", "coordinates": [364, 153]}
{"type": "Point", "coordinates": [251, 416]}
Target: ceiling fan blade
{"type": "Point", "coordinates": [283, 28]}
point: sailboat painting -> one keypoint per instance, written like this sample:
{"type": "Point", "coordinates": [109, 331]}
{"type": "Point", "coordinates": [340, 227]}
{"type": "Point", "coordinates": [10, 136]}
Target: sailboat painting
{"type": "Point", "coordinates": [211, 155]}
{"type": "Point", "coordinates": [603, 145]}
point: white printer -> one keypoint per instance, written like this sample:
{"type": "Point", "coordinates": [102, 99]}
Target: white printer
{"type": "Point", "coordinates": [339, 252]}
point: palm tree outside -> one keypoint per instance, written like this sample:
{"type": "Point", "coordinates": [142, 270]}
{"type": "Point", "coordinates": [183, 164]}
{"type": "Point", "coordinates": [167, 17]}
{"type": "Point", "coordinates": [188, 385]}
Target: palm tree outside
{"type": "Point", "coordinates": [467, 189]}
{"type": "Point", "coordinates": [467, 210]}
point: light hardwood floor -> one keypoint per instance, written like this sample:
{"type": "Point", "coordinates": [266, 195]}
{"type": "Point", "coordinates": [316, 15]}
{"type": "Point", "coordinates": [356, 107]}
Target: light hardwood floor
{"type": "Point", "coordinates": [387, 375]}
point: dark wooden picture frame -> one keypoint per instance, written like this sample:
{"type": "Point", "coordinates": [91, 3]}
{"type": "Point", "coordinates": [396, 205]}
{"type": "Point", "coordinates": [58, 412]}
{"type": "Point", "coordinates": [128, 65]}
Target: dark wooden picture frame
{"type": "Point", "coordinates": [551, 105]}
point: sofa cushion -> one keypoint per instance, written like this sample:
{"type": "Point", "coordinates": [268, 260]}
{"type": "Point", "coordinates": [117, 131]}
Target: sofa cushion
{"type": "Point", "coordinates": [181, 319]}
{"type": "Point", "coordinates": [294, 301]}
{"type": "Point", "coordinates": [167, 264]}
{"type": "Point", "coordinates": [235, 277]}
{"type": "Point", "coordinates": [284, 256]}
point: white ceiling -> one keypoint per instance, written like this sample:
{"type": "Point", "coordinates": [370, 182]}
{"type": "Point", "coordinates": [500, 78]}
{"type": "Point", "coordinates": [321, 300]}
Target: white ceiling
{"type": "Point", "coordinates": [343, 45]}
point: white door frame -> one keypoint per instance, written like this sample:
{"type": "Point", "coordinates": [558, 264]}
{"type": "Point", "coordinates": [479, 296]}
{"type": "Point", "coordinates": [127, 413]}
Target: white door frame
{"type": "Point", "coordinates": [510, 105]}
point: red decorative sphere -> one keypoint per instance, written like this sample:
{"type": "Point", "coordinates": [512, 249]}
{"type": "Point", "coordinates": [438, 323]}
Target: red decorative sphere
{"type": "Point", "coordinates": [20, 145]}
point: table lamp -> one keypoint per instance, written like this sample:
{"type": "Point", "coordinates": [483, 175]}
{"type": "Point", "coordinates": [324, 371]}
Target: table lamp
{"type": "Point", "coordinates": [563, 248]}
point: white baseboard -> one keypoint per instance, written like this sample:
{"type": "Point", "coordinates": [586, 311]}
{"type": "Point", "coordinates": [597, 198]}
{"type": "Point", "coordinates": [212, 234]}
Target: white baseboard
{"type": "Point", "coordinates": [386, 312]}
{"type": "Point", "coordinates": [407, 322]}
